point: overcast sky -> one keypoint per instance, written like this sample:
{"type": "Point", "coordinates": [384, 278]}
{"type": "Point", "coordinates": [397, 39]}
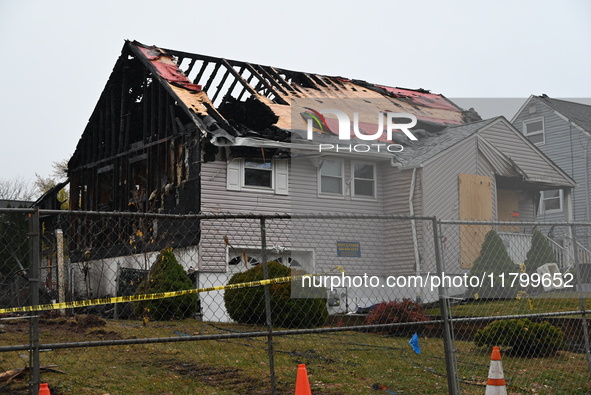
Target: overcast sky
{"type": "Point", "coordinates": [58, 54]}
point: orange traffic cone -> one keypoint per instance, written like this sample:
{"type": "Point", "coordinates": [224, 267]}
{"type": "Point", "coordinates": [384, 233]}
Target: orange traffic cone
{"type": "Point", "coordinates": [44, 389]}
{"type": "Point", "coordinates": [496, 380]}
{"type": "Point", "coordinates": [302, 383]}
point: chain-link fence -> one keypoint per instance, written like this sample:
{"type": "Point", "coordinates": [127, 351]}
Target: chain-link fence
{"type": "Point", "coordinates": [396, 304]}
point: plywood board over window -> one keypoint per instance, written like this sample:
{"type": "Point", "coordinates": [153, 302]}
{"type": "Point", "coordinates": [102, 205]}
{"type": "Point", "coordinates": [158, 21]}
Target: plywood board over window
{"type": "Point", "coordinates": [475, 202]}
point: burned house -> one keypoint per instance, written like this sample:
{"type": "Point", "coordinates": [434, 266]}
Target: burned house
{"type": "Point", "coordinates": [178, 133]}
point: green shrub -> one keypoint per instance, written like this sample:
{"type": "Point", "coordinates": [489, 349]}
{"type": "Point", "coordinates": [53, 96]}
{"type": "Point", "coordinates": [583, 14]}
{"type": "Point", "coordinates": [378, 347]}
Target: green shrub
{"type": "Point", "coordinates": [539, 254]}
{"type": "Point", "coordinates": [247, 305]}
{"type": "Point", "coordinates": [166, 275]}
{"type": "Point", "coordinates": [493, 259]}
{"type": "Point", "coordinates": [526, 338]}
{"type": "Point", "coordinates": [397, 311]}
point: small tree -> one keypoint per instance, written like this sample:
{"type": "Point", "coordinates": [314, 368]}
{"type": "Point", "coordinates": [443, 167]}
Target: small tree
{"type": "Point", "coordinates": [492, 261]}
{"type": "Point", "coordinates": [167, 275]}
{"type": "Point", "coordinates": [539, 254]}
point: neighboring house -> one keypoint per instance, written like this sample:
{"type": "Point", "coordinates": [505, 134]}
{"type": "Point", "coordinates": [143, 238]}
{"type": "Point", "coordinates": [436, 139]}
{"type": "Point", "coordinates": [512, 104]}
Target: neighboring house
{"type": "Point", "coordinates": [562, 130]}
{"type": "Point", "coordinates": [175, 132]}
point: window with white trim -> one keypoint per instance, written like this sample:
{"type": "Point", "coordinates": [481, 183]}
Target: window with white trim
{"type": "Point", "coordinates": [533, 129]}
{"type": "Point", "coordinates": [364, 180]}
{"type": "Point", "coordinates": [331, 177]}
{"type": "Point", "coordinates": [270, 176]}
{"type": "Point", "coordinates": [551, 201]}
{"type": "Point", "coordinates": [258, 173]}
{"type": "Point", "coordinates": [242, 258]}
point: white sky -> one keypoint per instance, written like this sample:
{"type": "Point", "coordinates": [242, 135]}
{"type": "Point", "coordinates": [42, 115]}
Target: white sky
{"type": "Point", "coordinates": [58, 54]}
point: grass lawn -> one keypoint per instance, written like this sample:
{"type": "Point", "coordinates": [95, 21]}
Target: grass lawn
{"type": "Point", "coordinates": [337, 363]}
{"type": "Point", "coordinates": [541, 303]}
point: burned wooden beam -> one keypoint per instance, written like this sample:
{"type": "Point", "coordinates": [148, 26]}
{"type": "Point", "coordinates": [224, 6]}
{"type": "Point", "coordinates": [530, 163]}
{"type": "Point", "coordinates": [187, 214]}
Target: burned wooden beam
{"type": "Point", "coordinates": [220, 85]}
{"type": "Point", "coordinates": [271, 79]}
{"type": "Point", "coordinates": [211, 77]}
{"type": "Point", "coordinates": [269, 87]}
{"type": "Point", "coordinates": [247, 87]}
{"type": "Point", "coordinates": [239, 78]}
{"type": "Point", "coordinates": [200, 73]}
{"type": "Point", "coordinates": [278, 77]}
{"type": "Point", "coordinates": [190, 68]}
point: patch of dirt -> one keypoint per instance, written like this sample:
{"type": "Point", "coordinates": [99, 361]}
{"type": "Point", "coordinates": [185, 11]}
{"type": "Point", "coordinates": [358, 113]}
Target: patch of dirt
{"type": "Point", "coordinates": [90, 321]}
{"type": "Point", "coordinates": [79, 324]}
{"type": "Point", "coordinates": [101, 334]}
{"type": "Point", "coordinates": [307, 356]}
{"type": "Point", "coordinates": [225, 378]}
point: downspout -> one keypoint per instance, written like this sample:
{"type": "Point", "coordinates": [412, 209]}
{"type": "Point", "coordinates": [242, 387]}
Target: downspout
{"type": "Point", "coordinates": [587, 197]}
{"type": "Point", "coordinates": [413, 224]}
{"type": "Point", "coordinates": [415, 241]}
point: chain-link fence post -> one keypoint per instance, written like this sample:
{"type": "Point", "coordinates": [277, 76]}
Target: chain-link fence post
{"type": "Point", "coordinates": [573, 232]}
{"type": "Point", "coordinates": [33, 276]}
{"type": "Point", "coordinates": [452, 376]}
{"type": "Point", "coordinates": [269, 322]}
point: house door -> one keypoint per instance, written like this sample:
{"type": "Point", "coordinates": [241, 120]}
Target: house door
{"type": "Point", "coordinates": [475, 204]}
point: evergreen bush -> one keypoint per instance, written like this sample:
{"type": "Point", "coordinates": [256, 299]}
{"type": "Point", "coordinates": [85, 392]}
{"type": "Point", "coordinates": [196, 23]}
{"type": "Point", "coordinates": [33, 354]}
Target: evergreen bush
{"type": "Point", "coordinates": [494, 260]}
{"type": "Point", "coordinates": [526, 338]}
{"type": "Point", "coordinates": [539, 254]}
{"type": "Point", "coordinates": [167, 275]}
{"type": "Point", "coordinates": [247, 305]}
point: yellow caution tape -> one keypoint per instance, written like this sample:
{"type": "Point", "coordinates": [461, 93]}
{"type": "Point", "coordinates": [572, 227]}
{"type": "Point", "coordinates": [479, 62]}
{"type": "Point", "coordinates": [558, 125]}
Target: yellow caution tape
{"type": "Point", "coordinates": [160, 295]}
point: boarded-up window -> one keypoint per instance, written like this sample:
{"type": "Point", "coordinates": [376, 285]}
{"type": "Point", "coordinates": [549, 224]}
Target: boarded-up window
{"type": "Point", "coordinates": [475, 201]}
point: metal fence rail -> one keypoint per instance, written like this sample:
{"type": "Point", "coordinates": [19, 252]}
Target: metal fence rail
{"type": "Point", "coordinates": [400, 276]}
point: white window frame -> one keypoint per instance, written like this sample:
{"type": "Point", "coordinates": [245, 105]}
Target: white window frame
{"type": "Point", "coordinates": [257, 187]}
{"type": "Point", "coordinates": [353, 179]}
{"type": "Point", "coordinates": [542, 132]}
{"type": "Point", "coordinates": [329, 194]}
{"type": "Point", "coordinates": [306, 258]}
{"type": "Point", "coordinates": [235, 177]}
{"type": "Point", "coordinates": [542, 209]}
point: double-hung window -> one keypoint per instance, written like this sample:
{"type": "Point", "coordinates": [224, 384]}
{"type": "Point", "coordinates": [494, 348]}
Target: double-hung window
{"type": "Point", "coordinates": [551, 201]}
{"type": "Point", "coordinates": [364, 180]}
{"type": "Point", "coordinates": [267, 176]}
{"type": "Point", "coordinates": [533, 129]}
{"type": "Point", "coordinates": [331, 177]}
{"type": "Point", "coordinates": [258, 173]}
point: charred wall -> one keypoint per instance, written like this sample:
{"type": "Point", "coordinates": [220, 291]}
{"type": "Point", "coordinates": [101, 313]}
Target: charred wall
{"type": "Point", "coordinates": [139, 151]}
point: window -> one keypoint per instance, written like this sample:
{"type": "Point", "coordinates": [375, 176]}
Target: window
{"type": "Point", "coordinates": [364, 176]}
{"type": "Point", "coordinates": [257, 175]}
{"type": "Point", "coordinates": [331, 177]}
{"type": "Point", "coordinates": [242, 258]}
{"type": "Point", "coordinates": [533, 129]}
{"type": "Point", "coordinates": [551, 201]}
